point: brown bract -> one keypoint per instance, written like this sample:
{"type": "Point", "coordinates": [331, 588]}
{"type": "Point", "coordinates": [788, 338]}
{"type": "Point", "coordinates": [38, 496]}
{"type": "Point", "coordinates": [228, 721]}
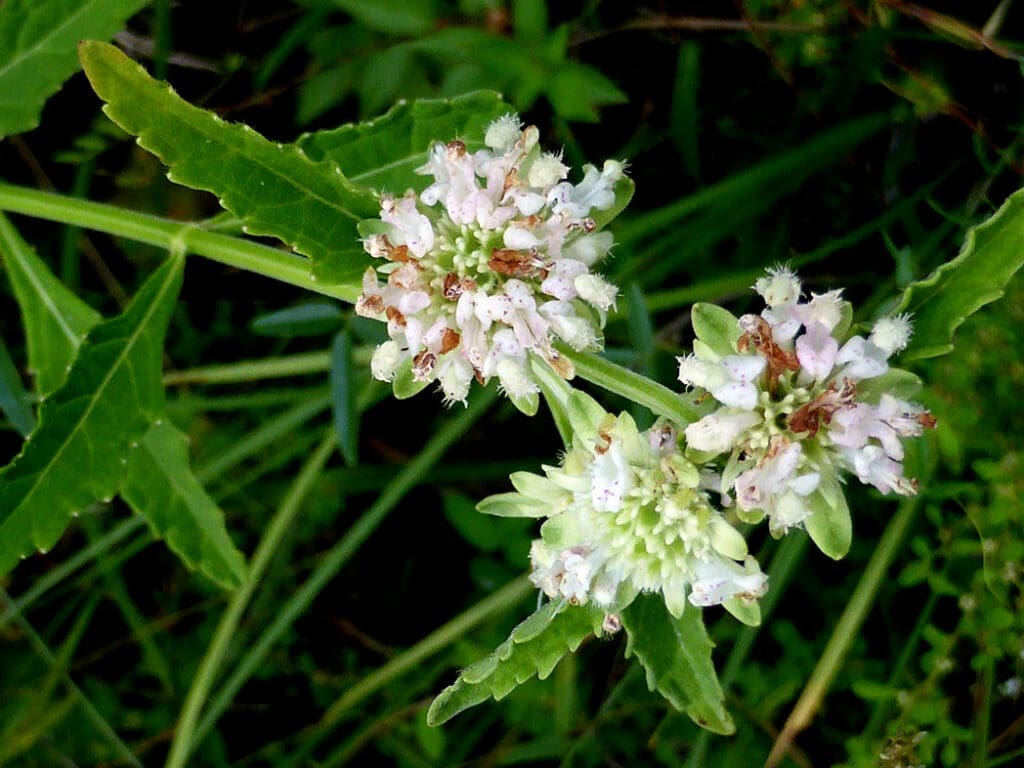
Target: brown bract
{"type": "Point", "coordinates": [516, 263]}
{"type": "Point", "coordinates": [758, 334]}
{"type": "Point", "coordinates": [820, 410]}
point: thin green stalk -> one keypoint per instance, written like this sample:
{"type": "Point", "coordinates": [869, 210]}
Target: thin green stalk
{"type": "Point", "coordinates": [184, 741]}
{"type": "Point", "coordinates": [253, 370]}
{"type": "Point", "coordinates": [98, 721]}
{"type": "Point", "coordinates": [506, 597]}
{"type": "Point", "coordinates": [631, 385]}
{"type": "Point", "coordinates": [340, 553]}
{"type": "Point", "coordinates": [69, 566]}
{"type": "Point", "coordinates": [1008, 758]}
{"type": "Point", "coordinates": [173, 235]}
{"type": "Point", "coordinates": [846, 629]}
{"type": "Point", "coordinates": [258, 439]}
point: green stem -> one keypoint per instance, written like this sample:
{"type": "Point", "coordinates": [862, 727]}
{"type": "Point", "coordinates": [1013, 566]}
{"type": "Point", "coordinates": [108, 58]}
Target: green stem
{"type": "Point", "coordinates": [339, 554]}
{"type": "Point", "coordinates": [846, 629]}
{"type": "Point", "coordinates": [506, 597]}
{"type": "Point", "coordinates": [173, 235]}
{"type": "Point", "coordinates": [631, 385]}
{"type": "Point", "coordinates": [252, 370]}
{"type": "Point", "coordinates": [183, 741]}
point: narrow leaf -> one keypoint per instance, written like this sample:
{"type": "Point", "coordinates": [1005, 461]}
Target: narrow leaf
{"type": "Point", "coordinates": [55, 319]}
{"type": "Point", "coordinates": [534, 648]}
{"type": "Point", "coordinates": [991, 254]}
{"type": "Point", "coordinates": [384, 153]}
{"type": "Point", "coordinates": [676, 655]}
{"type": "Point", "coordinates": [343, 397]}
{"type": "Point", "coordinates": [310, 319]}
{"type": "Point", "coordinates": [13, 398]}
{"type": "Point", "coordinates": [37, 50]}
{"type": "Point", "coordinates": [273, 188]}
{"type": "Point", "coordinates": [78, 452]}
{"type": "Point", "coordinates": [161, 487]}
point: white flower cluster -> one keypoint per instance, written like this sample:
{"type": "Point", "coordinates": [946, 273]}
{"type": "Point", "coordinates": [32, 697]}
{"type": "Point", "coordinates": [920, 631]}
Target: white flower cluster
{"type": "Point", "coordinates": [490, 262]}
{"type": "Point", "coordinates": [799, 401]}
{"type": "Point", "coordinates": [628, 513]}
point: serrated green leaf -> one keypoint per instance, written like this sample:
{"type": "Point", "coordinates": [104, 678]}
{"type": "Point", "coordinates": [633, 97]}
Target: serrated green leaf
{"type": "Point", "coordinates": [991, 254]}
{"type": "Point", "coordinates": [718, 328]}
{"type": "Point", "coordinates": [78, 452]}
{"type": "Point", "coordinates": [55, 319]}
{"type": "Point", "coordinates": [161, 487]}
{"type": "Point", "coordinates": [13, 398]}
{"type": "Point", "coordinates": [534, 648]}
{"type": "Point", "coordinates": [273, 189]}
{"type": "Point", "coordinates": [383, 153]}
{"type": "Point", "coordinates": [829, 524]}
{"type": "Point", "coordinates": [37, 50]}
{"type": "Point", "coordinates": [676, 655]}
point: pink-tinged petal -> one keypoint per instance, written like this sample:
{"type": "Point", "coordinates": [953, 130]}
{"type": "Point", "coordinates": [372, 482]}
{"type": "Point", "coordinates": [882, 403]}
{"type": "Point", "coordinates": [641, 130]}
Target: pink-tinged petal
{"type": "Point", "coordinates": [816, 350]}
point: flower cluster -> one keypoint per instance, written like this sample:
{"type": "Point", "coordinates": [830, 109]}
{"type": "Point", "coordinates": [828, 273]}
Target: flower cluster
{"type": "Point", "coordinates": [801, 400]}
{"type": "Point", "coordinates": [627, 513]}
{"type": "Point", "coordinates": [490, 262]}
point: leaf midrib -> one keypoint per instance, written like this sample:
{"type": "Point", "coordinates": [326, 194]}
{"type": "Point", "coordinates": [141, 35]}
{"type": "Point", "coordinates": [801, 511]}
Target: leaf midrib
{"type": "Point", "coordinates": [132, 340]}
{"type": "Point", "coordinates": [38, 286]}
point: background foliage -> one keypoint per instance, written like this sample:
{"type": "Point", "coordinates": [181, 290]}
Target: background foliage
{"type": "Point", "coordinates": [858, 141]}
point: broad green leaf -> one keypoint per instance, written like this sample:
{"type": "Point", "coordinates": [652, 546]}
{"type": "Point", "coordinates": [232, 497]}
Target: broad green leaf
{"type": "Point", "coordinates": [991, 254]}
{"type": "Point", "coordinates": [676, 655]}
{"type": "Point", "coordinates": [343, 397]}
{"type": "Point", "coordinates": [718, 328]}
{"type": "Point", "coordinates": [160, 486]}
{"type": "Point", "coordinates": [383, 154]}
{"type": "Point", "coordinates": [13, 398]}
{"type": "Point", "coordinates": [78, 452]}
{"type": "Point", "coordinates": [37, 50]}
{"type": "Point", "coordinates": [273, 189]}
{"type": "Point", "coordinates": [829, 524]}
{"type": "Point", "coordinates": [55, 319]}
{"type": "Point", "coordinates": [534, 648]}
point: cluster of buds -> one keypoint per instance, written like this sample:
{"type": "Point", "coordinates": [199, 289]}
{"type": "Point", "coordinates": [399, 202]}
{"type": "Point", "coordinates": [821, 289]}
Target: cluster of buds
{"type": "Point", "coordinates": [490, 262]}
{"type": "Point", "coordinates": [628, 512]}
{"type": "Point", "coordinates": [800, 401]}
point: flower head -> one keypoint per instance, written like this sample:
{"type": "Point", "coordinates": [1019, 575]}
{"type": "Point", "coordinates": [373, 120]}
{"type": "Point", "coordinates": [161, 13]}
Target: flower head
{"type": "Point", "coordinates": [801, 401]}
{"type": "Point", "coordinates": [490, 262]}
{"type": "Point", "coordinates": [627, 513]}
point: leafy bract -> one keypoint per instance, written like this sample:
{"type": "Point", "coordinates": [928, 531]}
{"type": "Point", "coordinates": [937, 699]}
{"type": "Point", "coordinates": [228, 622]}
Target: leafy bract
{"type": "Point", "coordinates": [992, 253]}
{"type": "Point", "coordinates": [829, 524]}
{"type": "Point", "coordinates": [718, 328]}
{"type": "Point", "coordinates": [78, 452]}
{"type": "Point", "coordinates": [534, 648]}
{"type": "Point", "coordinates": [55, 319]}
{"type": "Point", "coordinates": [676, 655]}
{"type": "Point", "coordinates": [273, 188]}
{"type": "Point", "coordinates": [384, 153]}
{"type": "Point", "coordinates": [161, 487]}
{"type": "Point", "coordinates": [37, 50]}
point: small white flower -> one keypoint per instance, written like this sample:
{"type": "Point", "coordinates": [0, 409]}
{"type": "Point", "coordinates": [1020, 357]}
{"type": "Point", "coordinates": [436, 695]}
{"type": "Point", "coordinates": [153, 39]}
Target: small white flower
{"type": "Point", "coordinates": [720, 431]}
{"type": "Point", "coordinates": [546, 171]}
{"type": "Point", "coordinates": [825, 308]}
{"type": "Point", "coordinates": [874, 467]}
{"type": "Point", "coordinates": [863, 360]}
{"type": "Point", "coordinates": [719, 580]}
{"type": "Point", "coordinates": [503, 132]}
{"type": "Point", "coordinates": [892, 334]}
{"type": "Point", "coordinates": [816, 350]}
{"type": "Point", "coordinates": [779, 288]}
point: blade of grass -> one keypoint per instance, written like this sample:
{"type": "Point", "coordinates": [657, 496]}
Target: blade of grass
{"type": "Point", "coordinates": [506, 597]}
{"type": "Point", "coordinates": [253, 370]}
{"type": "Point", "coordinates": [93, 715]}
{"type": "Point", "coordinates": [183, 742]}
{"type": "Point", "coordinates": [339, 554]}
{"type": "Point", "coordinates": [856, 611]}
